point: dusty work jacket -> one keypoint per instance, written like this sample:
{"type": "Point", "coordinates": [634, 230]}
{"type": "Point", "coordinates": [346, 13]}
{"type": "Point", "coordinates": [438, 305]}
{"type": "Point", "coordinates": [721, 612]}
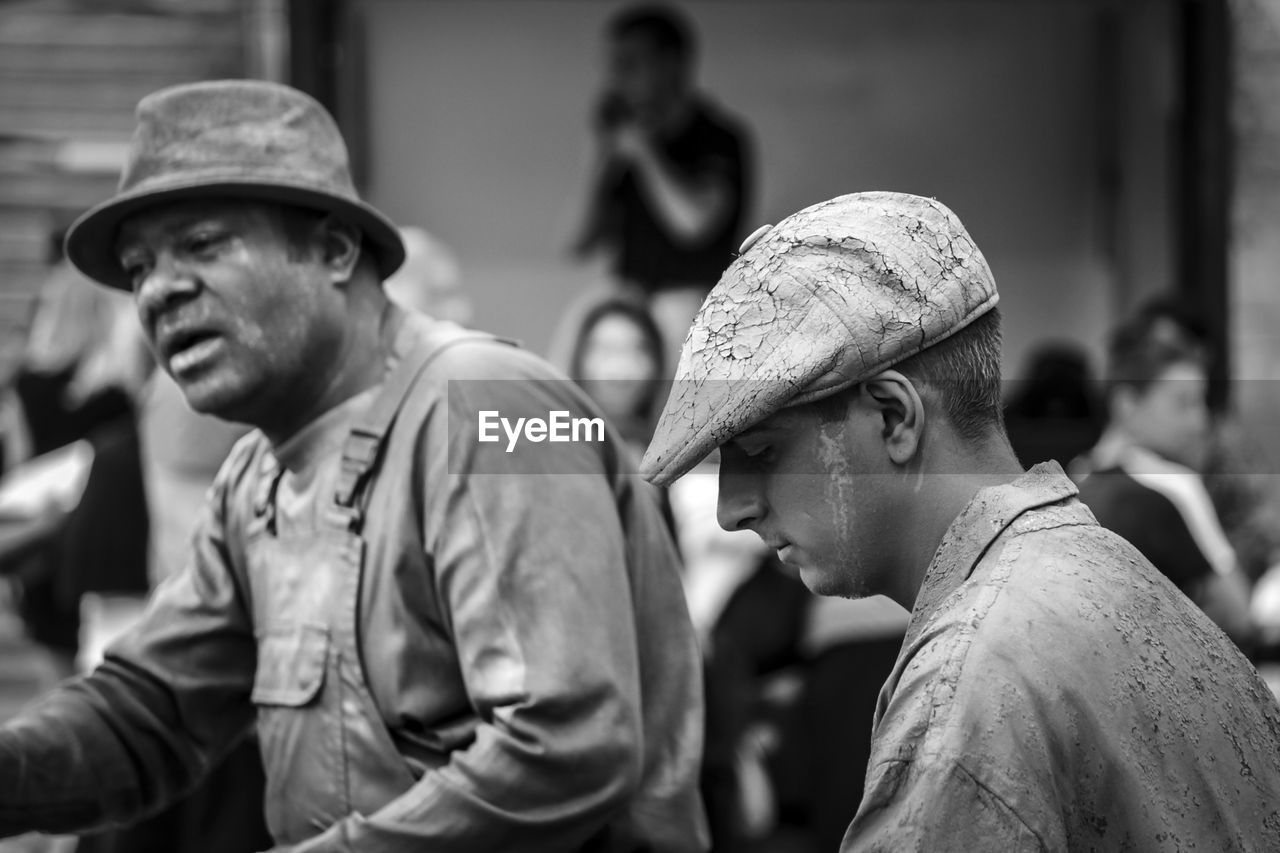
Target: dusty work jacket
{"type": "Point", "coordinates": [1055, 692]}
{"type": "Point", "coordinates": [446, 646]}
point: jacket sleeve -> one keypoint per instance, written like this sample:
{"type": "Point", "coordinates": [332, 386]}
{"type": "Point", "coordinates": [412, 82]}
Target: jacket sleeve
{"type": "Point", "coordinates": [530, 565]}
{"type": "Point", "coordinates": [169, 700]}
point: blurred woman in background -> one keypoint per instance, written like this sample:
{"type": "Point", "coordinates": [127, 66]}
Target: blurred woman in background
{"type": "Point", "coordinates": [618, 361]}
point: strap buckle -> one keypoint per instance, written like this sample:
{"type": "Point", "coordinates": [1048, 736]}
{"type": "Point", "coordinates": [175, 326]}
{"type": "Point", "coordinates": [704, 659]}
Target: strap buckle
{"type": "Point", "coordinates": [359, 454]}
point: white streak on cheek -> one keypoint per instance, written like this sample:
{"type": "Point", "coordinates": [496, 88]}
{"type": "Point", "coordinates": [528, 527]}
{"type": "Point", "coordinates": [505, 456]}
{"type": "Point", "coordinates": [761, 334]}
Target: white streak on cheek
{"type": "Point", "coordinates": [838, 484]}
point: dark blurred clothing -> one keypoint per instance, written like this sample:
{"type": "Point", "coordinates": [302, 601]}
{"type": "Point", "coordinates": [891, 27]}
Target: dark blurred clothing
{"type": "Point", "coordinates": [709, 144]}
{"type": "Point", "coordinates": [104, 540]}
{"type": "Point", "coordinates": [223, 816]}
{"type": "Point", "coordinates": [55, 421]}
{"type": "Point", "coordinates": [830, 742]}
{"type": "Point", "coordinates": [47, 604]}
{"type": "Point", "coordinates": [757, 634]}
{"type": "Point", "coordinates": [1150, 521]}
{"type": "Point", "coordinates": [1055, 413]}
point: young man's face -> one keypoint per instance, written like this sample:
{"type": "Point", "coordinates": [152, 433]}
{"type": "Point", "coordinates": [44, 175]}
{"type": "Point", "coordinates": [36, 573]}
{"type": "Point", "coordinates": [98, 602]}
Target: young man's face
{"type": "Point", "coordinates": [1170, 416]}
{"type": "Point", "coordinates": [820, 491]}
{"type": "Point", "coordinates": [238, 320]}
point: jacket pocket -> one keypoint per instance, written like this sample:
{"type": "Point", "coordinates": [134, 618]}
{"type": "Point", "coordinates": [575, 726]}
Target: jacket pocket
{"type": "Point", "coordinates": [291, 666]}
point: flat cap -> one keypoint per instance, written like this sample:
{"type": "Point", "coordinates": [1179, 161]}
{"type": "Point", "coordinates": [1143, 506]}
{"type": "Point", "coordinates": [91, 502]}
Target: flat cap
{"type": "Point", "coordinates": [830, 296]}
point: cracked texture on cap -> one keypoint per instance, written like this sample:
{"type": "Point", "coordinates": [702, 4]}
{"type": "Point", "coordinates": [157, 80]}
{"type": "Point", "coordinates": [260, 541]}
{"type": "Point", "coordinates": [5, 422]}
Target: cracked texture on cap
{"type": "Point", "coordinates": [828, 297]}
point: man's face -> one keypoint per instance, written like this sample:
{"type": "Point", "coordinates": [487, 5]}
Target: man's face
{"type": "Point", "coordinates": [238, 320]}
{"type": "Point", "coordinates": [646, 78]}
{"type": "Point", "coordinates": [817, 489]}
{"type": "Point", "coordinates": [1170, 416]}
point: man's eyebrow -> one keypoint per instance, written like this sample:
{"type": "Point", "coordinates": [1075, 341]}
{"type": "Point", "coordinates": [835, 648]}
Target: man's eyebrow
{"type": "Point", "coordinates": [178, 222]}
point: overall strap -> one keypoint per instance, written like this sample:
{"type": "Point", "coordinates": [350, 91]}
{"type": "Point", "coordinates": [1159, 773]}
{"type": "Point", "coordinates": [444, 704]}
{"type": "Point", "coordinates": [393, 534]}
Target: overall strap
{"type": "Point", "coordinates": [368, 435]}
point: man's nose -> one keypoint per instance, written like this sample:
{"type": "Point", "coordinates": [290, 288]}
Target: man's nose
{"type": "Point", "coordinates": [165, 284]}
{"type": "Point", "coordinates": [739, 505]}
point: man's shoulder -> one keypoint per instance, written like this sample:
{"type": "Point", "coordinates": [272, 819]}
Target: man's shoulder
{"type": "Point", "coordinates": [485, 380]}
{"type": "Point", "coordinates": [715, 126]}
{"type": "Point", "coordinates": [470, 354]}
{"type": "Point", "coordinates": [1052, 586]}
{"type": "Point", "coordinates": [1069, 608]}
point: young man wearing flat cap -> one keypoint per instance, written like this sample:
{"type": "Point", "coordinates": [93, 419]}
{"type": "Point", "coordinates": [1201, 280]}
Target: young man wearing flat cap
{"type": "Point", "coordinates": [1054, 691]}
{"type": "Point", "coordinates": [442, 652]}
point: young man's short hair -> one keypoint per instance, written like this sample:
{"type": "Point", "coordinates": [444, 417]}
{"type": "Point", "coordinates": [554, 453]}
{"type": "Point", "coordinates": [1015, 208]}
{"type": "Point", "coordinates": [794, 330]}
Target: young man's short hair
{"type": "Point", "coordinates": [962, 373]}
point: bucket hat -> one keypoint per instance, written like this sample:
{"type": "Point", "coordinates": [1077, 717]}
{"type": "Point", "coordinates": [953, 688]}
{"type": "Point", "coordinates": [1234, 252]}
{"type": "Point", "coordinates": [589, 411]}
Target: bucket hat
{"type": "Point", "coordinates": [246, 139]}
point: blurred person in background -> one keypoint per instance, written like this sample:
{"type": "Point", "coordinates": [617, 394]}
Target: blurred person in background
{"type": "Point", "coordinates": [672, 175]}
{"type": "Point", "coordinates": [432, 659]}
{"type": "Point", "coordinates": [1054, 691]}
{"type": "Point", "coordinates": [618, 361]}
{"type": "Point", "coordinates": [1143, 479]}
{"type": "Point", "coordinates": [1245, 504]}
{"type": "Point", "coordinates": [1054, 412]}
{"type": "Point", "coordinates": [84, 365]}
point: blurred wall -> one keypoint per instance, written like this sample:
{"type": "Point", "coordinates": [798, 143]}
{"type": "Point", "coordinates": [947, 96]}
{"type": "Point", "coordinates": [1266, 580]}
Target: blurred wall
{"type": "Point", "coordinates": [1255, 251]}
{"type": "Point", "coordinates": [71, 73]}
{"type": "Point", "coordinates": [1045, 125]}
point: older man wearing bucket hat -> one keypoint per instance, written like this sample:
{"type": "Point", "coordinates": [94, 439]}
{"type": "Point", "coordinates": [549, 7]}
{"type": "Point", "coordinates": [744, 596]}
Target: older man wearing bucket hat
{"type": "Point", "coordinates": [445, 647]}
{"type": "Point", "coordinates": [1054, 691]}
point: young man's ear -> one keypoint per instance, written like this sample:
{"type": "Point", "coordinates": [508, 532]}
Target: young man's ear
{"type": "Point", "coordinates": [340, 247]}
{"type": "Point", "coordinates": [901, 412]}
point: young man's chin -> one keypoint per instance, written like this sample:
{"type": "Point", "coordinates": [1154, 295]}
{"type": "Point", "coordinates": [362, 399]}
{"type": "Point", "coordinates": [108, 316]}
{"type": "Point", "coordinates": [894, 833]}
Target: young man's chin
{"type": "Point", "coordinates": [834, 583]}
{"type": "Point", "coordinates": [823, 582]}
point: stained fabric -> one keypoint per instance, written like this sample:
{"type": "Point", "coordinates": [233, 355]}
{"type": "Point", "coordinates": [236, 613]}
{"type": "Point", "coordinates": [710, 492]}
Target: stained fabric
{"type": "Point", "coordinates": [1056, 692]}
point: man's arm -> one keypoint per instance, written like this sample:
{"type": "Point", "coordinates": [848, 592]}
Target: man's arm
{"type": "Point", "coordinates": [530, 566]}
{"type": "Point", "coordinates": [693, 207]}
{"type": "Point", "coordinates": [169, 700]}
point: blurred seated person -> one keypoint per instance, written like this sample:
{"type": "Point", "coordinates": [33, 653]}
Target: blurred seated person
{"type": "Point", "coordinates": [1141, 479]}
{"type": "Point", "coordinates": [1054, 413]}
{"type": "Point", "coordinates": [670, 183]}
{"type": "Point", "coordinates": [618, 361]}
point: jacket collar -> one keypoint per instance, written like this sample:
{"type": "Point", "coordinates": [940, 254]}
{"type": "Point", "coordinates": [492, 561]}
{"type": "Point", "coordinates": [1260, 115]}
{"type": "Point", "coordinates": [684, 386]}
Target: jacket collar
{"type": "Point", "coordinates": [985, 518]}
